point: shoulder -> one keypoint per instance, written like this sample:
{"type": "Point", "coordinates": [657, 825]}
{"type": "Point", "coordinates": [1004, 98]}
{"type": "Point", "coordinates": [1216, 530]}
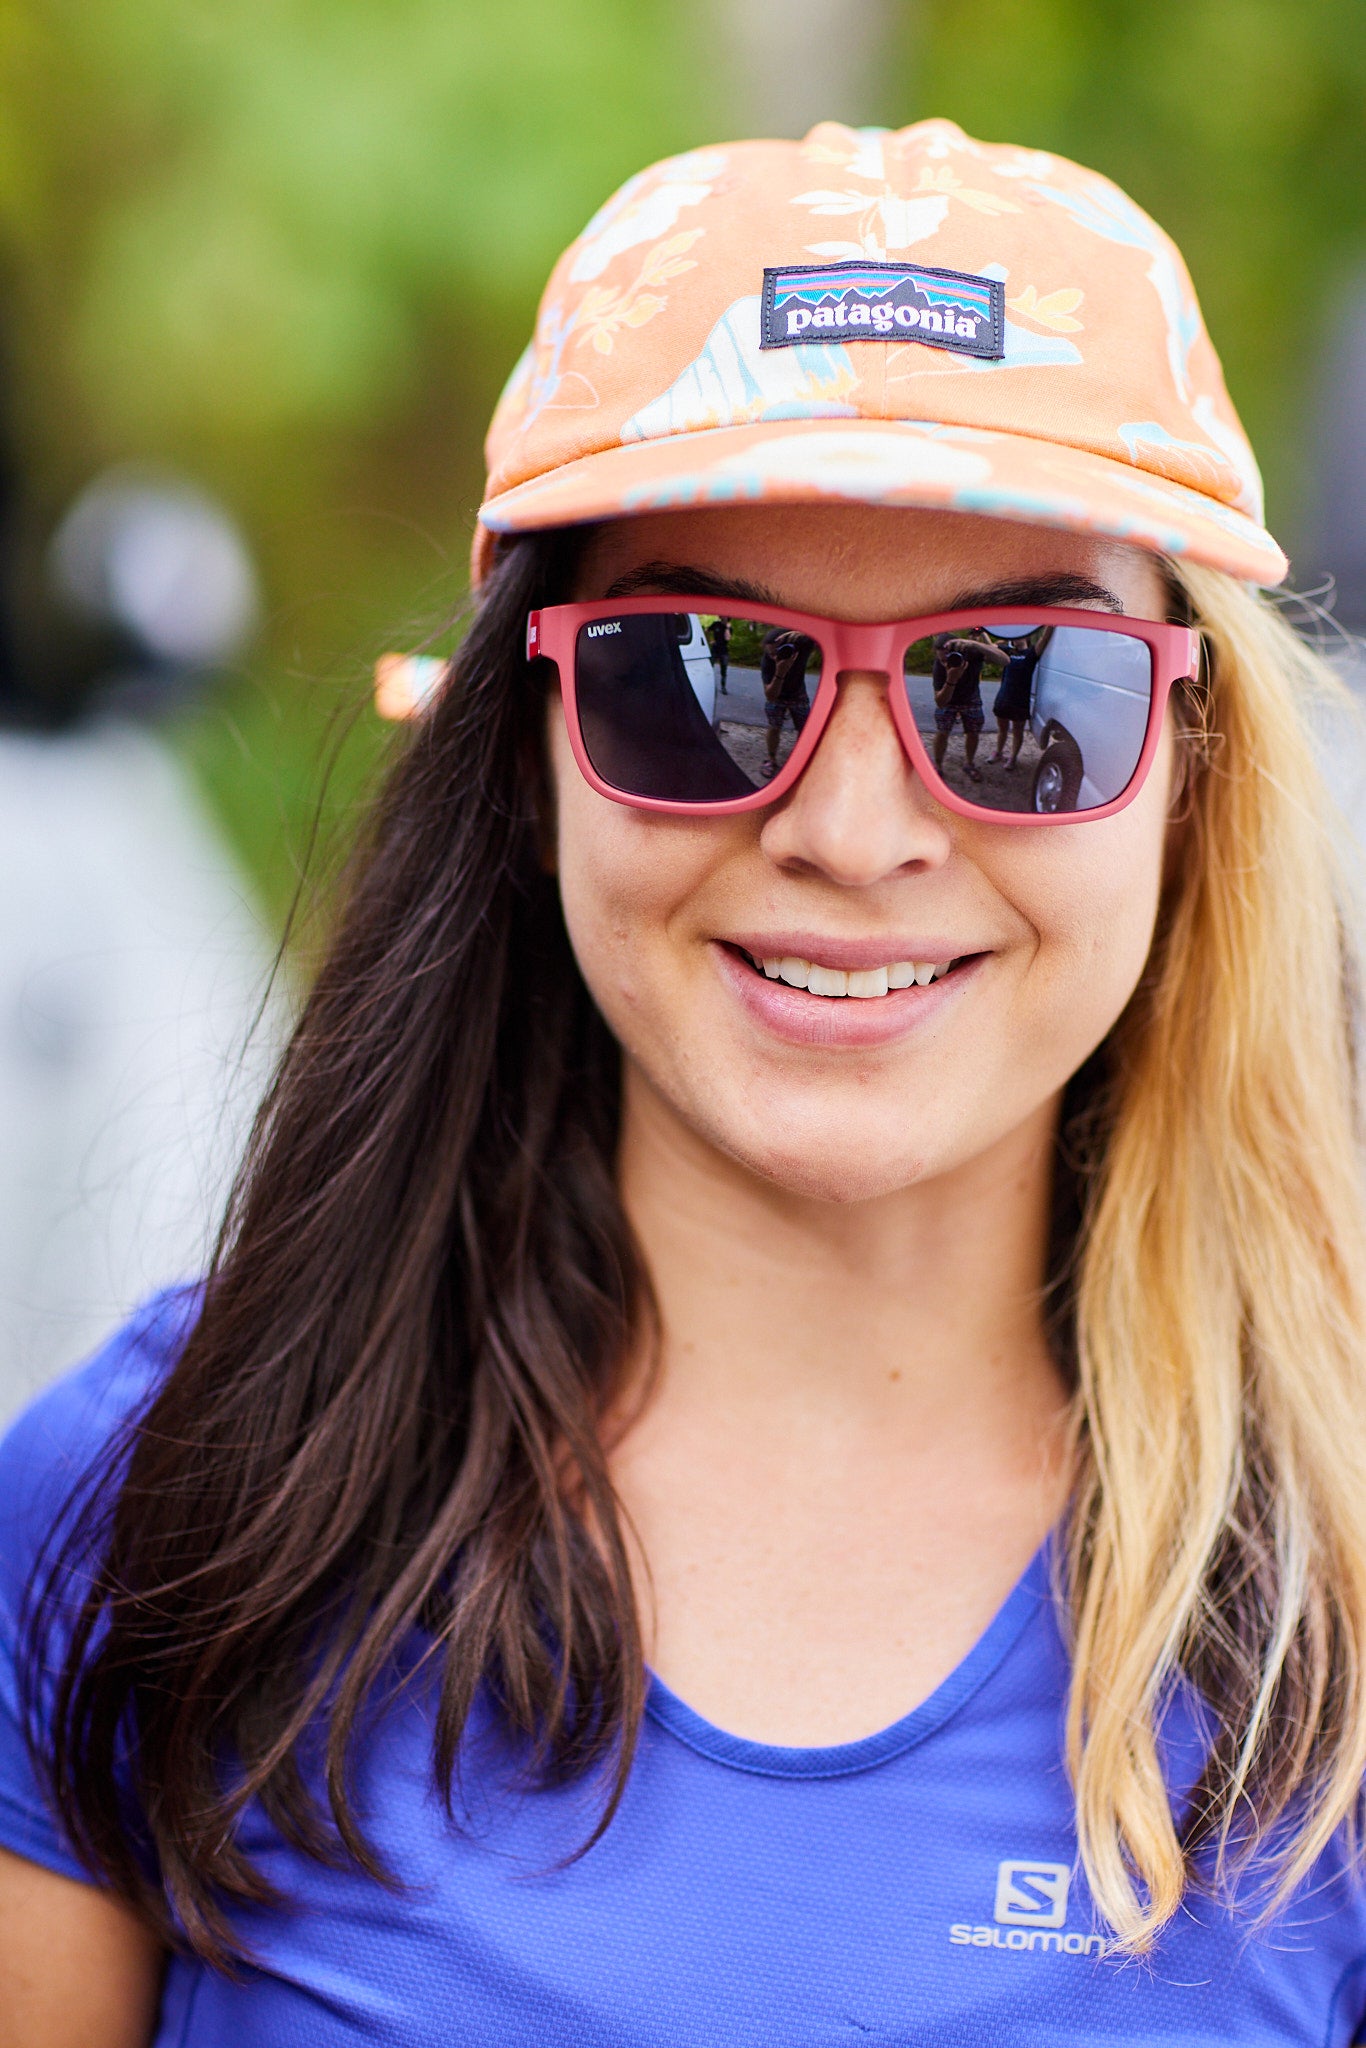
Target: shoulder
{"type": "Point", "coordinates": [67, 1446]}
{"type": "Point", "coordinates": [65, 1434]}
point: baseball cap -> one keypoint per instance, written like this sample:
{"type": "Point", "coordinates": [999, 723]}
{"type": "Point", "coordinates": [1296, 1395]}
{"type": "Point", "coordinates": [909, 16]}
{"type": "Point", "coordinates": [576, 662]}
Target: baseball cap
{"type": "Point", "coordinates": [890, 317]}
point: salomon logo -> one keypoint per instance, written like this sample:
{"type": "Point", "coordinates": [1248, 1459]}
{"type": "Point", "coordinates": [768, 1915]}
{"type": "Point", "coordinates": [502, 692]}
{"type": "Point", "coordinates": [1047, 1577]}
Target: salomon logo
{"type": "Point", "coordinates": [1031, 1894]}
{"type": "Point", "coordinates": [1030, 1908]}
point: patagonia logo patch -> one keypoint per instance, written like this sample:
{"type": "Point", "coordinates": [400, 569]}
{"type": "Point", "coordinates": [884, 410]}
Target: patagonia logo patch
{"type": "Point", "coordinates": [823, 302]}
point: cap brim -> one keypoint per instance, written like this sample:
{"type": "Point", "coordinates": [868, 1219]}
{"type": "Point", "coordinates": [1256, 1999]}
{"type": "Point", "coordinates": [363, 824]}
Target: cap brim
{"type": "Point", "coordinates": [890, 462]}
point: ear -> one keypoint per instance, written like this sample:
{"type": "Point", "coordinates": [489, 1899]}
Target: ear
{"type": "Point", "coordinates": [1195, 741]}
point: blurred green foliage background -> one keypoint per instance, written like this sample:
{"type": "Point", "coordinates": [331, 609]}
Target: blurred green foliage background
{"type": "Point", "coordinates": [293, 246]}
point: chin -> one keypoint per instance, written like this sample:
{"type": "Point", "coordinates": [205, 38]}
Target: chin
{"type": "Point", "coordinates": [824, 1166]}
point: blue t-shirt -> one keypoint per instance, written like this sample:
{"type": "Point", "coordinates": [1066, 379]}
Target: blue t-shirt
{"type": "Point", "coordinates": [917, 1887]}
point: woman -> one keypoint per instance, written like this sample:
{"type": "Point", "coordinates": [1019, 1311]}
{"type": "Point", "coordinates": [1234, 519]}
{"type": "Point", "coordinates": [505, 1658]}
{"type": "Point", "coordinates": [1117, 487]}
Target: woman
{"type": "Point", "coordinates": [889, 1270]}
{"type": "Point", "coordinates": [1010, 707]}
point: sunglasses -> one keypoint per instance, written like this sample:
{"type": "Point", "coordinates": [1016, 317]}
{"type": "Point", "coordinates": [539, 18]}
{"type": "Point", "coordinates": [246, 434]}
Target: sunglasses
{"type": "Point", "coordinates": [673, 705]}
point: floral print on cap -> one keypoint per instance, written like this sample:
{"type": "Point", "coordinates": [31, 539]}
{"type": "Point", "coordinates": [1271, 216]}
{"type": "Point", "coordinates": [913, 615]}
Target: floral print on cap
{"type": "Point", "coordinates": [646, 383]}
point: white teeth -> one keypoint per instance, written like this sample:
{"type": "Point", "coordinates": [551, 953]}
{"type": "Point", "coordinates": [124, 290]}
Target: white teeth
{"type": "Point", "coordinates": [868, 981]}
{"type": "Point", "coordinates": [854, 981]}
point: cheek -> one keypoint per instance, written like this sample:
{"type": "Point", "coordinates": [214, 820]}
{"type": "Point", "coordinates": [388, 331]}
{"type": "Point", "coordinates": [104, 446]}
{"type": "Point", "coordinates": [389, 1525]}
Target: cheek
{"type": "Point", "coordinates": [625, 877]}
{"type": "Point", "coordinates": [1091, 894]}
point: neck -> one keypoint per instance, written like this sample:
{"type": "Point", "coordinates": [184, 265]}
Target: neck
{"type": "Point", "coordinates": [854, 1436]}
{"type": "Point", "coordinates": [926, 1300]}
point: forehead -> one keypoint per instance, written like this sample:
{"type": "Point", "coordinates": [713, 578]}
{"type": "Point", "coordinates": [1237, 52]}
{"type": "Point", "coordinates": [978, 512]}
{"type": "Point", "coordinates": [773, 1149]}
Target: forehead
{"type": "Point", "coordinates": [866, 561]}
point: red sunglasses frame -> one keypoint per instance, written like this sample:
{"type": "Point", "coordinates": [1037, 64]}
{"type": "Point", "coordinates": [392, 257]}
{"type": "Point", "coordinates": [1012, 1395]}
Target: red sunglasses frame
{"type": "Point", "coordinates": [552, 635]}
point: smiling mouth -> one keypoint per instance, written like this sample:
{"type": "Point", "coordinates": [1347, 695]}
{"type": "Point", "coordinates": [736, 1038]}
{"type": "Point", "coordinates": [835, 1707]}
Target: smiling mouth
{"type": "Point", "coordinates": [862, 982]}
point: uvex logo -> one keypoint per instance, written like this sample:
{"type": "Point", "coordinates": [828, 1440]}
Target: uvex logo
{"type": "Point", "coordinates": [607, 626]}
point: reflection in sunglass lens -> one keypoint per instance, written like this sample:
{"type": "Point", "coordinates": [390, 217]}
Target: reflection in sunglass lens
{"type": "Point", "coordinates": [692, 707]}
{"type": "Point", "coordinates": [1029, 717]}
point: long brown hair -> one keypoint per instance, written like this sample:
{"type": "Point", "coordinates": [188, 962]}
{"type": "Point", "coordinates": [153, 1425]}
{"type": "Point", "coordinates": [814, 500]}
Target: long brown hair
{"type": "Point", "coordinates": [385, 1425]}
{"type": "Point", "coordinates": [385, 1416]}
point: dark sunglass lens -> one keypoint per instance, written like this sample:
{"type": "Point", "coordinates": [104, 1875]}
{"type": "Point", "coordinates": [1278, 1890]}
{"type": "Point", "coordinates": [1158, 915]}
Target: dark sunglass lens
{"type": "Point", "coordinates": [692, 707]}
{"type": "Point", "coordinates": [1028, 717]}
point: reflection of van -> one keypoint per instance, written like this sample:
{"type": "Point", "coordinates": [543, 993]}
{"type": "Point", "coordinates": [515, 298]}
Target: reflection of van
{"type": "Point", "coordinates": [1090, 715]}
{"type": "Point", "coordinates": [692, 645]}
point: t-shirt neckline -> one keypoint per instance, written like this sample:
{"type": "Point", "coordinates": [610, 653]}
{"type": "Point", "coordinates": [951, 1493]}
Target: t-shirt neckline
{"type": "Point", "coordinates": [1022, 1604]}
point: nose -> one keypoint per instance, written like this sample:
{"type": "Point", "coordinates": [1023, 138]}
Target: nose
{"type": "Point", "coordinates": [860, 812]}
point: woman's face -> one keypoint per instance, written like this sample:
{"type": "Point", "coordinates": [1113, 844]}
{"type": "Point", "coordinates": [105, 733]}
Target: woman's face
{"type": "Point", "coordinates": [844, 1098]}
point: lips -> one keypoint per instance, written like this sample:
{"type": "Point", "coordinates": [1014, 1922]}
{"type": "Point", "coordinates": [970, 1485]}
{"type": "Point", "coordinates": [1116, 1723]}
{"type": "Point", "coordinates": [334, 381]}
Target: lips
{"type": "Point", "coordinates": [844, 1000]}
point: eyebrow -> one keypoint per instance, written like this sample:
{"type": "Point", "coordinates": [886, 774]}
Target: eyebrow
{"type": "Point", "coordinates": [1064, 588]}
{"type": "Point", "coordinates": [677, 579]}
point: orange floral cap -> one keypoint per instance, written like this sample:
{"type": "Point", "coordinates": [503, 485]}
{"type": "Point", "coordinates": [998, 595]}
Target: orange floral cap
{"type": "Point", "coordinates": [883, 317]}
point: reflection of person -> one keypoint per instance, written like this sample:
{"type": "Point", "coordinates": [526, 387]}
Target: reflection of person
{"type": "Point", "coordinates": [949, 669]}
{"type": "Point", "coordinates": [956, 680]}
{"type": "Point", "coordinates": [782, 671]}
{"type": "Point", "coordinates": [718, 641]}
{"type": "Point", "coordinates": [679, 1391]}
{"type": "Point", "coordinates": [1010, 708]}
